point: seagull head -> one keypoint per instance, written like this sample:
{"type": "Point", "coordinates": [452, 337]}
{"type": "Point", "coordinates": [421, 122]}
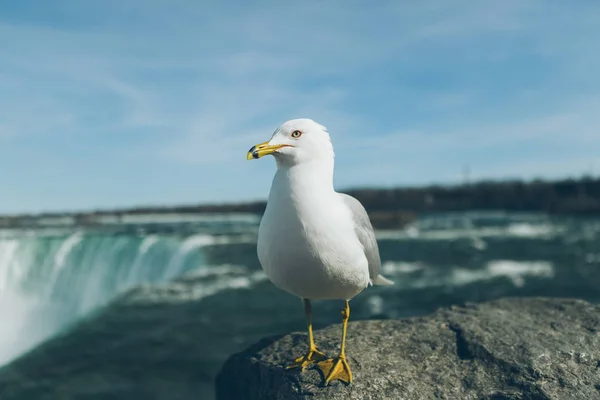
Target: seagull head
{"type": "Point", "coordinates": [296, 141]}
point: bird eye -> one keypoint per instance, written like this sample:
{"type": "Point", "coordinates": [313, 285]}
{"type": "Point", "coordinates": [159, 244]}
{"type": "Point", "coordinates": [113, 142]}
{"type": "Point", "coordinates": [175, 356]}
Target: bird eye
{"type": "Point", "coordinates": [296, 134]}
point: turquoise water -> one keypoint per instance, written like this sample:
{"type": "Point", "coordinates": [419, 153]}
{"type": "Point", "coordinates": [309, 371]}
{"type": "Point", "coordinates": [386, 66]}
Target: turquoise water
{"type": "Point", "coordinates": [54, 273]}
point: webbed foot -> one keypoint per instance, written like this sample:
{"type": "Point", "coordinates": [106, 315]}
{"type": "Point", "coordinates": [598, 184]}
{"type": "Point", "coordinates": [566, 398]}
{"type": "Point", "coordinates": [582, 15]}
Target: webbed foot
{"type": "Point", "coordinates": [312, 356]}
{"type": "Point", "coordinates": [336, 368]}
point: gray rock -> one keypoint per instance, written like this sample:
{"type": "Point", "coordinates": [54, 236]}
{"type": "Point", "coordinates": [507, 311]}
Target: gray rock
{"type": "Point", "coordinates": [502, 350]}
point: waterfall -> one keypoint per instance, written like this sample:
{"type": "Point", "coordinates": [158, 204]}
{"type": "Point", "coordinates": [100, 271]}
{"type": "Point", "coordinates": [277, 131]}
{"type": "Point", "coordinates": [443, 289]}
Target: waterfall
{"type": "Point", "coordinates": [48, 280]}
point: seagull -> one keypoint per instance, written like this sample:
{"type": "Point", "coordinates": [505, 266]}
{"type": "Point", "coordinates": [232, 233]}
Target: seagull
{"type": "Point", "coordinates": [314, 242]}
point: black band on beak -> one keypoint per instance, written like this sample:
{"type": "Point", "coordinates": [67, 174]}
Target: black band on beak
{"type": "Point", "coordinates": [254, 152]}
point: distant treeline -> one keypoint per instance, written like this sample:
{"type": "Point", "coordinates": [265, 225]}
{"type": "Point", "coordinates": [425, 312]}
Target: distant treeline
{"type": "Point", "coordinates": [564, 196]}
{"type": "Point", "coordinates": [395, 207]}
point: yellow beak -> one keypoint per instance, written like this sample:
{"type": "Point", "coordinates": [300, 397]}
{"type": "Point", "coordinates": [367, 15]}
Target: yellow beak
{"type": "Point", "coordinates": [263, 149]}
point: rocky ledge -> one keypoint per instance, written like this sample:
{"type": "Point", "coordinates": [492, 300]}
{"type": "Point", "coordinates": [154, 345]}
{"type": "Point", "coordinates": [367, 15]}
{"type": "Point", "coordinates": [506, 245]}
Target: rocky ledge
{"type": "Point", "coordinates": [502, 350]}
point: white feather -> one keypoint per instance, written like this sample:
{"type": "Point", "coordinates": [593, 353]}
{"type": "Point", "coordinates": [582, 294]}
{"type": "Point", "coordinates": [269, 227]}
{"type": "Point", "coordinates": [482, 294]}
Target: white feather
{"type": "Point", "coordinates": [314, 242]}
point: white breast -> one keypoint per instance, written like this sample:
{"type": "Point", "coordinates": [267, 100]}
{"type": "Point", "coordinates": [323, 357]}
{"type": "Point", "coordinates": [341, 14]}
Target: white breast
{"type": "Point", "coordinates": [307, 245]}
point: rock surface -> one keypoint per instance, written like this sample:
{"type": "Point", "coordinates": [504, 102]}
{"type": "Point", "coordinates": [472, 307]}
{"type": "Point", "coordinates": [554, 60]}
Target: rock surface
{"type": "Point", "coordinates": [507, 349]}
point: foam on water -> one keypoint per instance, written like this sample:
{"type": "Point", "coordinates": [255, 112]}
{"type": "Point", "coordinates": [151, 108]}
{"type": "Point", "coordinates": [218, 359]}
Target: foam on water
{"type": "Point", "coordinates": [206, 282]}
{"type": "Point", "coordinates": [516, 271]}
{"type": "Point", "coordinates": [521, 230]}
{"type": "Point", "coordinates": [421, 276]}
{"type": "Point", "coordinates": [476, 225]}
{"type": "Point", "coordinates": [530, 230]}
{"type": "Point", "coordinates": [399, 267]}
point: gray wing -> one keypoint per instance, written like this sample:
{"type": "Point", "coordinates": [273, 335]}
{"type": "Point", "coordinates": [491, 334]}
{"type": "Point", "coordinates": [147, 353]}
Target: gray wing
{"type": "Point", "coordinates": [366, 236]}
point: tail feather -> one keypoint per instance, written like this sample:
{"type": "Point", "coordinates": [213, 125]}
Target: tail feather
{"type": "Point", "coordinates": [380, 280]}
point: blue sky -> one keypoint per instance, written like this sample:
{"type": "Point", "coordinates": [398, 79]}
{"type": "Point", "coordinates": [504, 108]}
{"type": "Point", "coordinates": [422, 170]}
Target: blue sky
{"type": "Point", "coordinates": [121, 103]}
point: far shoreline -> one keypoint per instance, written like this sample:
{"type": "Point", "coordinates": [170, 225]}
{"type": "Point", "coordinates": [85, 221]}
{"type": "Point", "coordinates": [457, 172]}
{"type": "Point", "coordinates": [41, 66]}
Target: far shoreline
{"type": "Point", "coordinates": [393, 207]}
